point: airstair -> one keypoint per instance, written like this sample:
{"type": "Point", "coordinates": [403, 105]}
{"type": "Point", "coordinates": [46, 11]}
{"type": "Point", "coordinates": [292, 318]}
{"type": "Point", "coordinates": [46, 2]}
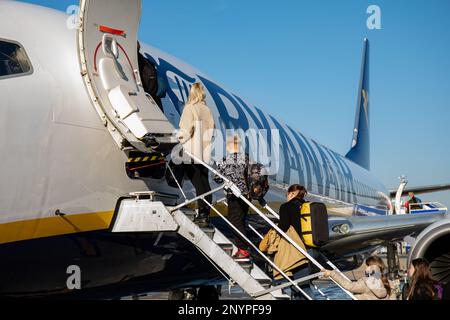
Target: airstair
{"type": "Point", "coordinates": [144, 212]}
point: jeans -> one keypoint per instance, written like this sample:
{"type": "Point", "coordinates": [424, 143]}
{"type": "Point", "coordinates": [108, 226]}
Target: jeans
{"type": "Point", "coordinates": [301, 272]}
{"type": "Point", "coordinates": [237, 213]}
{"type": "Point", "coordinates": [295, 294]}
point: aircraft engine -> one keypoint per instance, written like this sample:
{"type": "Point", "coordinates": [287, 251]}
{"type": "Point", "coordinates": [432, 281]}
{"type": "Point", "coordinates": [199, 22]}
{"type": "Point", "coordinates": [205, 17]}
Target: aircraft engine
{"type": "Point", "coordinates": [433, 244]}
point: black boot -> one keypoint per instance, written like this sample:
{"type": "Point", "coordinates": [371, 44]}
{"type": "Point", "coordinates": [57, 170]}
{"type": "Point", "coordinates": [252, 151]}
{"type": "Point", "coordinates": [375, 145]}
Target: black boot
{"type": "Point", "coordinates": [202, 219]}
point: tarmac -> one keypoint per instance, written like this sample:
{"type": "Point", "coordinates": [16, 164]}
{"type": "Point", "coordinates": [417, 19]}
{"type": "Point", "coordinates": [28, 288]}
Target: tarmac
{"type": "Point", "coordinates": [326, 286]}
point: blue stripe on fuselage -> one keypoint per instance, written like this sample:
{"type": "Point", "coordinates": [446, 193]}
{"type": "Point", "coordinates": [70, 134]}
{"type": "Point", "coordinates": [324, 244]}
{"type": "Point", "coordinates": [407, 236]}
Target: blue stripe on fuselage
{"type": "Point", "coordinates": [361, 210]}
{"type": "Point", "coordinates": [304, 161]}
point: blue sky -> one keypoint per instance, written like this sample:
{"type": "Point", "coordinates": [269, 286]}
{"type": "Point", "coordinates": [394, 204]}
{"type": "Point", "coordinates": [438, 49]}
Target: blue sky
{"type": "Point", "coordinates": [300, 60]}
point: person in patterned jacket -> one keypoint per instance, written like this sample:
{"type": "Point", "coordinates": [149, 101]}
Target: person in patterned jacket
{"type": "Point", "coordinates": [235, 167]}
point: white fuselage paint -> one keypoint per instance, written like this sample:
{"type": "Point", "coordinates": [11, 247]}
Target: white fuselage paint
{"type": "Point", "coordinates": [56, 152]}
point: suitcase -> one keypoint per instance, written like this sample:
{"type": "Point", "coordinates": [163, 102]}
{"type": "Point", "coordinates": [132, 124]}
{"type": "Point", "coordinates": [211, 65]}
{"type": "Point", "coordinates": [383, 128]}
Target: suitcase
{"type": "Point", "coordinates": [175, 180]}
{"type": "Point", "coordinates": [314, 223]}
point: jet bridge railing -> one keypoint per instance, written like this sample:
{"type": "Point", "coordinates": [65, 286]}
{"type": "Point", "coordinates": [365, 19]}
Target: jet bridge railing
{"type": "Point", "coordinates": [228, 185]}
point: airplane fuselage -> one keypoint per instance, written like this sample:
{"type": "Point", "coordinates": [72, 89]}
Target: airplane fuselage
{"type": "Point", "coordinates": [59, 157]}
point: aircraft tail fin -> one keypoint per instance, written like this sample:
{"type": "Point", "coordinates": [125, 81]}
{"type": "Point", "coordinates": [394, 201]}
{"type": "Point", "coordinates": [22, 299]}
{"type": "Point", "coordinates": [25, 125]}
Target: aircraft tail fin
{"type": "Point", "coordinates": [360, 149]}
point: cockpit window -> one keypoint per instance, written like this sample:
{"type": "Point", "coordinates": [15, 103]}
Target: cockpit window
{"type": "Point", "coordinates": [13, 60]}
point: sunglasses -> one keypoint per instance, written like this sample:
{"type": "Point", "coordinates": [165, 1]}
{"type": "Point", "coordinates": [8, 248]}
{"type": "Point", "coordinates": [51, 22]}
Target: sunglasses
{"type": "Point", "coordinates": [372, 273]}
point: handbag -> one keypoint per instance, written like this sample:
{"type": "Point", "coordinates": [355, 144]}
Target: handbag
{"type": "Point", "coordinates": [175, 180]}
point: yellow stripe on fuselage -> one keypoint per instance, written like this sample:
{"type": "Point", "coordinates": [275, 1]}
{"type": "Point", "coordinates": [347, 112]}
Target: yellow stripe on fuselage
{"type": "Point", "coordinates": [70, 224]}
{"type": "Point", "coordinates": [54, 226]}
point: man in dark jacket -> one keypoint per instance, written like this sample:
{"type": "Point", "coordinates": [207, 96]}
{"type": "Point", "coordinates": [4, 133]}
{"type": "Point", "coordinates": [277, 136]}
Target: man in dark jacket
{"type": "Point", "coordinates": [149, 77]}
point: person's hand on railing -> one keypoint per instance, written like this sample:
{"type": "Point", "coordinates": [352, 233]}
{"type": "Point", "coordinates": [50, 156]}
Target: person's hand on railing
{"type": "Point", "coordinates": [218, 179]}
{"type": "Point", "coordinates": [262, 202]}
{"type": "Point", "coordinates": [326, 273]}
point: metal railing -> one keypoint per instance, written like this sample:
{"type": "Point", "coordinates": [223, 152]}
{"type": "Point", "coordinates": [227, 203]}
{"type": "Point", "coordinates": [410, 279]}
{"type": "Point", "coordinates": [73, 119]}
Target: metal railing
{"type": "Point", "coordinates": [229, 185]}
{"type": "Point", "coordinates": [426, 206]}
{"type": "Point", "coordinates": [260, 236]}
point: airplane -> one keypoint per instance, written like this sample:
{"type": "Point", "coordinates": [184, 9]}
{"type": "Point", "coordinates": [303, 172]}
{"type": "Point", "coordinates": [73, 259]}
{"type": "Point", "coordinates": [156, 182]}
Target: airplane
{"type": "Point", "coordinates": [78, 133]}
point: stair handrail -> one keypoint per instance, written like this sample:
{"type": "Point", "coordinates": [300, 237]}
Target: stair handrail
{"type": "Point", "coordinates": [267, 207]}
{"type": "Point", "coordinates": [237, 192]}
{"type": "Point", "coordinates": [283, 274]}
{"type": "Point", "coordinates": [202, 197]}
{"type": "Point", "coordinates": [176, 181]}
{"type": "Point", "coordinates": [286, 285]}
{"type": "Point", "coordinates": [329, 263]}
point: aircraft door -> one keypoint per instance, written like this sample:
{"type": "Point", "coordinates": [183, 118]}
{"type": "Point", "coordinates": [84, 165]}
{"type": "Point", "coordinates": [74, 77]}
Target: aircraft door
{"type": "Point", "coordinates": [107, 43]}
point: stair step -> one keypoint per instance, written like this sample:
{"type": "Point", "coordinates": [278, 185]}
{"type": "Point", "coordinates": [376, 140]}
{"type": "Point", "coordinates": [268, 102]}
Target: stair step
{"type": "Point", "coordinates": [209, 231]}
{"type": "Point", "coordinates": [246, 265]}
{"type": "Point", "coordinates": [191, 214]}
{"type": "Point", "coordinates": [266, 283]}
{"type": "Point", "coordinates": [279, 295]}
{"type": "Point", "coordinates": [228, 248]}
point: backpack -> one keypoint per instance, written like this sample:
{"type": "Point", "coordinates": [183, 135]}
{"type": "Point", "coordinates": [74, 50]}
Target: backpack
{"type": "Point", "coordinates": [258, 182]}
{"type": "Point", "coordinates": [314, 224]}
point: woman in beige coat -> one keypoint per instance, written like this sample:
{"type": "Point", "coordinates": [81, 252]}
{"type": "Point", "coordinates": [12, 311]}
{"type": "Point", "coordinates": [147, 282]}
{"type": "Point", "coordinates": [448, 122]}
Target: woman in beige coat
{"type": "Point", "coordinates": [196, 132]}
{"type": "Point", "coordinates": [373, 286]}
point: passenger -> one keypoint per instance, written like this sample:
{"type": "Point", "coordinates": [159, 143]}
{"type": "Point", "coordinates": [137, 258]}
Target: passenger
{"type": "Point", "coordinates": [288, 258]}
{"type": "Point", "coordinates": [410, 203]}
{"type": "Point", "coordinates": [421, 285]}
{"type": "Point", "coordinates": [290, 211]}
{"type": "Point", "coordinates": [196, 132]}
{"type": "Point", "coordinates": [235, 167]}
{"type": "Point", "coordinates": [149, 77]}
{"type": "Point", "coordinates": [407, 207]}
{"type": "Point", "coordinates": [374, 286]}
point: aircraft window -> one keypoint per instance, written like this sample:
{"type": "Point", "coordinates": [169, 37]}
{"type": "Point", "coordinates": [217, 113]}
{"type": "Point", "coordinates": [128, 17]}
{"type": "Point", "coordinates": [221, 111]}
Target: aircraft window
{"type": "Point", "coordinates": [13, 60]}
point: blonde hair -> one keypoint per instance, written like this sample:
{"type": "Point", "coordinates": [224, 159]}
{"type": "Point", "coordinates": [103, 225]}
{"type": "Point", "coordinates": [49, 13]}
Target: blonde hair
{"type": "Point", "coordinates": [197, 94]}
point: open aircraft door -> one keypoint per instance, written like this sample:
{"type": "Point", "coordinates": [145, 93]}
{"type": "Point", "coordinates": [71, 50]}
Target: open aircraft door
{"type": "Point", "coordinates": [107, 45]}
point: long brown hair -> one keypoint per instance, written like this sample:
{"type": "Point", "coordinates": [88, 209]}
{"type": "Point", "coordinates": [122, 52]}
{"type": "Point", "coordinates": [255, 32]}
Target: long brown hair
{"type": "Point", "coordinates": [377, 261]}
{"type": "Point", "coordinates": [301, 191]}
{"type": "Point", "coordinates": [422, 282]}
